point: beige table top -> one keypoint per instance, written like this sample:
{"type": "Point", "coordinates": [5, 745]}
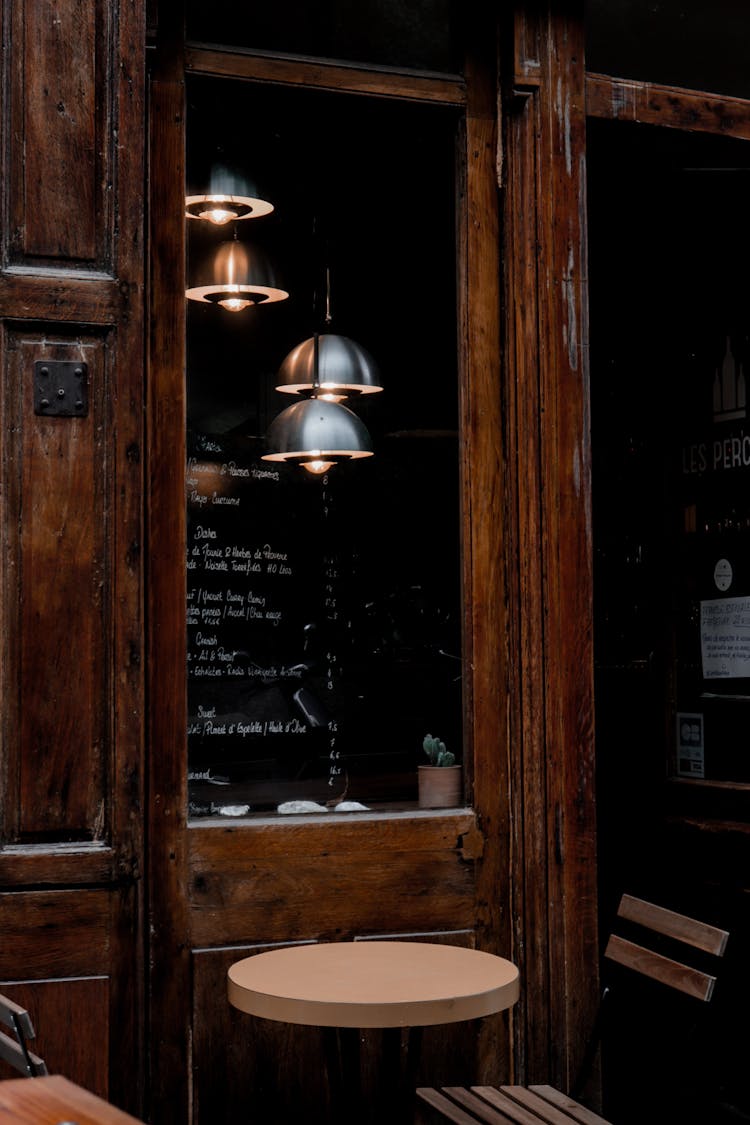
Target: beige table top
{"type": "Point", "coordinates": [52, 1100]}
{"type": "Point", "coordinates": [372, 984]}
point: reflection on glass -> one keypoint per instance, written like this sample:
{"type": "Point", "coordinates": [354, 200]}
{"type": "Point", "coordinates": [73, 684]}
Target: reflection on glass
{"type": "Point", "coordinates": [324, 620]}
{"type": "Point", "coordinates": [686, 43]}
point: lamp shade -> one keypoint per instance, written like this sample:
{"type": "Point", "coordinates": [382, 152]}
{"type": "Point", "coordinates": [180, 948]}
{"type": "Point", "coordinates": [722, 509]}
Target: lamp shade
{"type": "Point", "coordinates": [234, 276]}
{"type": "Point", "coordinates": [227, 196]}
{"type": "Point", "coordinates": [317, 434]}
{"type": "Point", "coordinates": [343, 368]}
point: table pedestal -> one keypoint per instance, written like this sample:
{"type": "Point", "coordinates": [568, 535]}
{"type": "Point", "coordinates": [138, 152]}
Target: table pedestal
{"type": "Point", "coordinates": [392, 1100]}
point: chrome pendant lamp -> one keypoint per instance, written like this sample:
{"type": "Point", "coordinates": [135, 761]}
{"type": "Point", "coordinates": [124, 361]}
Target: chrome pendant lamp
{"type": "Point", "coordinates": [330, 366]}
{"type": "Point", "coordinates": [344, 369]}
{"type": "Point", "coordinates": [229, 196]}
{"type": "Point", "coordinates": [315, 433]}
{"type": "Point", "coordinates": [236, 276]}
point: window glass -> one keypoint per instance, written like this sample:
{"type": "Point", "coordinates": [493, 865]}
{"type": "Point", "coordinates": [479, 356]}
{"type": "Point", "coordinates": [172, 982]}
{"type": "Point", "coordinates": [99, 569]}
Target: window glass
{"type": "Point", "coordinates": [684, 43]}
{"type": "Point", "coordinates": [670, 349]}
{"type": "Point", "coordinates": [421, 35]}
{"type": "Point", "coordinates": [324, 610]}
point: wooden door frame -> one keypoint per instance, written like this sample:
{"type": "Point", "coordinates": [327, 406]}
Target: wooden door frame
{"type": "Point", "coordinates": [527, 521]}
{"type": "Point", "coordinates": [553, 879]}
{"type": "Point", "coordinates": [174, 851]}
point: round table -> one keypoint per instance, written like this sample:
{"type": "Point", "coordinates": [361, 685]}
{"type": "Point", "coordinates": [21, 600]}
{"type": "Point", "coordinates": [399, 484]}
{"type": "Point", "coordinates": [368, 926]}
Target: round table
{"type": "Point", "coordinates": [371, 984]}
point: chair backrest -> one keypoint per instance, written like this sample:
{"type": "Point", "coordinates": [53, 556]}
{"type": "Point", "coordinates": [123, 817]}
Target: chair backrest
{"type": "Point", "coordinates": [15, 1051]}
{"type": "Point", "coordinates": [678, 927]}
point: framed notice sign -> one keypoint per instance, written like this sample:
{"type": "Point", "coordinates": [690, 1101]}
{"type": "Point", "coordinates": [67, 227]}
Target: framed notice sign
{"type": "Point", "coordinates": [725, 638]}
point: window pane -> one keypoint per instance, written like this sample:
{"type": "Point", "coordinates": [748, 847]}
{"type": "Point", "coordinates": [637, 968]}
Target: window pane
{"type": "Point", "coordinates": [421, 35]}
{"type": "Point", "coordinates": [670, 349]}
{"type": "Point", "coordinates": [685, 43]}
{"type": "Point", "coordinates": [324, 611]}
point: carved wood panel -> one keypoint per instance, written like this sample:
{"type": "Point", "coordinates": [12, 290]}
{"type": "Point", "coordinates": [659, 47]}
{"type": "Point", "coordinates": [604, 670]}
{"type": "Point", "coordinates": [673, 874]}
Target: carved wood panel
{"type": "Point", "coordinates": [61, 145]}
{"type": "Point", "coordinates": [71, 1020]}
{"type": "Point", "coordinates": [56, 588]}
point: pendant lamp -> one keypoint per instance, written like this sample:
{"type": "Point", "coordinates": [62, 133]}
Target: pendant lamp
{"type": "Point", "coordinates": [344, 368]}
{"type": "Point", "coordinates": [317, 435]}
{"type": "Point", "coordinates": [229, 196]}
{"type": "Point", "coordinates": [235, 276]}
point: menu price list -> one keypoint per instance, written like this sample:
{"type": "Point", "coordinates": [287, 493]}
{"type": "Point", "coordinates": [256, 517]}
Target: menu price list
{"type": "Point", "coordinates": [265, 650]}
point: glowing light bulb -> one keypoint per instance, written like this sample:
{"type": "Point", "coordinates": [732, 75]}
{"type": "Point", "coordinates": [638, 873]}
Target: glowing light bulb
{"type": "Point", "coordinates": [218, 216]}
{"type": "Point", "coordinates": [234, 304]}
{"type": "Point", "coordinates": [317, 466]}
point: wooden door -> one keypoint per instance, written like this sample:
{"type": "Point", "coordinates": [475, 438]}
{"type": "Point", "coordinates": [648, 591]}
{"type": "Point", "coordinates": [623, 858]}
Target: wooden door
{"type": "Point", "coordinates": [479, 874]}
{"type": "Point", "coordinates": [71, 387]}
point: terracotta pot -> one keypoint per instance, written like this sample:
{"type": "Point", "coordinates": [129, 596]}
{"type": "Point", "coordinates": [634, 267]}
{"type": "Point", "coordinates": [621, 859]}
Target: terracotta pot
{"type": "Point", "coordinates": [439, 786]}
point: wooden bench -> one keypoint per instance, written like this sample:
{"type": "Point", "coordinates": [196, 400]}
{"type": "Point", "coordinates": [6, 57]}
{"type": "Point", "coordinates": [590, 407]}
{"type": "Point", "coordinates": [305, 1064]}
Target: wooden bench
{"type": "Point", "coordinates": [544, 1105]}
{"type": "Point", "coordinates": [500, 1105]}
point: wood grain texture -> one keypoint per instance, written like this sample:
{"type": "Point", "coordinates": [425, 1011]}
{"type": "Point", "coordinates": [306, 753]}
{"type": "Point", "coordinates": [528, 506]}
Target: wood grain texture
{"type": "Point", "coordinates": [71, 493]}
{"type": "Point", "coordinates": [689, 930]}
{"type": "Point", "coordinates": [484, 541]}
{"type": "Point", "coordinates": [72, 1025]}
{"type": "Point", "coordinates": [325, 75]}
{"type": "Point", "coordinates": [672, 973]}
{"type": "Point", "coordinates": [36, 944]}
{"type": "Point", "coordinates": [56, 659]}
{"type": "Point", "coordinates": [551, 595]}
{"type": "Point", "coordinates": [53, 1099]}
{"type": "Point", "coordinates": [622, 99]}
{"type": "Point", "coordinates": [169, 952]}
{"type": "Point", "coordinates": [290, 882]}
{"type": "Point", "coordinates": [62, 152]}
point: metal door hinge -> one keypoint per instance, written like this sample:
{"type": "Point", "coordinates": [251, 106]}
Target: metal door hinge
{"type": "Point", "coordinates": [61, 388]}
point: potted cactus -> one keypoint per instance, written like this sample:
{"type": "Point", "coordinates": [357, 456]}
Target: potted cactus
{"type": "Point", "coordinates": [439, 783]}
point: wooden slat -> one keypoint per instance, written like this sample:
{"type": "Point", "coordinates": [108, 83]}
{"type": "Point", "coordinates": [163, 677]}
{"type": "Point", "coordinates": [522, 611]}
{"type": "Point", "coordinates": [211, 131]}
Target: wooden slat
{"type": "Point", "coordinates": [13, 1014]}
{"type": "Point", "coordinates": [325, 75]}
{"type": "Point", "coordinates": [672, 973]}
{"type": "Point", "coordinates": [622, 99]}
{"type": "Point", "coordinates": [481, 1109]}
{"type": "Point", "coordinates": [508, 1105]}
{"type": "Point", "coordinates": [448, 1109]}
{"type": "Point", "coordinates": [526, 1108]}
{"type": "Point", "coordinates": [679, 926]}
{"type": "Point", "coordinates": [576, 1111]}
{"type": "Point", "coordinates": [10, 1052]}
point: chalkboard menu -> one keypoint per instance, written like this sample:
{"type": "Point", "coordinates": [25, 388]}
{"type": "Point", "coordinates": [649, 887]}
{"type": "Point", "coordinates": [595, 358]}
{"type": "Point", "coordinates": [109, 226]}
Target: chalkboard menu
{"type": "Point", "coordinates": [318, 649]}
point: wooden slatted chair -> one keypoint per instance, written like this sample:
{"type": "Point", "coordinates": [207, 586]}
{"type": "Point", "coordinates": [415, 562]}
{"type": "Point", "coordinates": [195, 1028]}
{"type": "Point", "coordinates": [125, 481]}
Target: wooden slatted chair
{"type": "Point", "coordinates": [15, 1050]}
{"type": "Point", "coordinates": [544, 1105]}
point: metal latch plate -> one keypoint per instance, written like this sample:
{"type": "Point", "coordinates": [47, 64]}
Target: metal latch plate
{"type": "Point", "coordinates": [61, 388]}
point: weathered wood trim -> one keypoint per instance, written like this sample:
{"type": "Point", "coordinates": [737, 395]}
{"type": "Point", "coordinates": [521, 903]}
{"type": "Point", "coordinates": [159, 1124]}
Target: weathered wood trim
{"type": "Point", "coordinates": [324, 75]}
{"type": "Point", "coordinates": [169, 978]}
{"type": "Point", "coordinates": [31, 865]}
{"type": "Point", "coordinates": [61, 152]}
{"type": "Point", "coordinates": [483, 515]}
{"type": "Point", "coordinates": [413, 872]}
{"type": "Point", "coordinates": [693, 932]}
{"type": "Point", "coordinates": [554, 863]}
{"type": "Point", "coordinates": [528, 730]}
{"type": "Point", "coordinates": [61, 295]}
{"type": "Point", "coordinates": [621, 99]}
